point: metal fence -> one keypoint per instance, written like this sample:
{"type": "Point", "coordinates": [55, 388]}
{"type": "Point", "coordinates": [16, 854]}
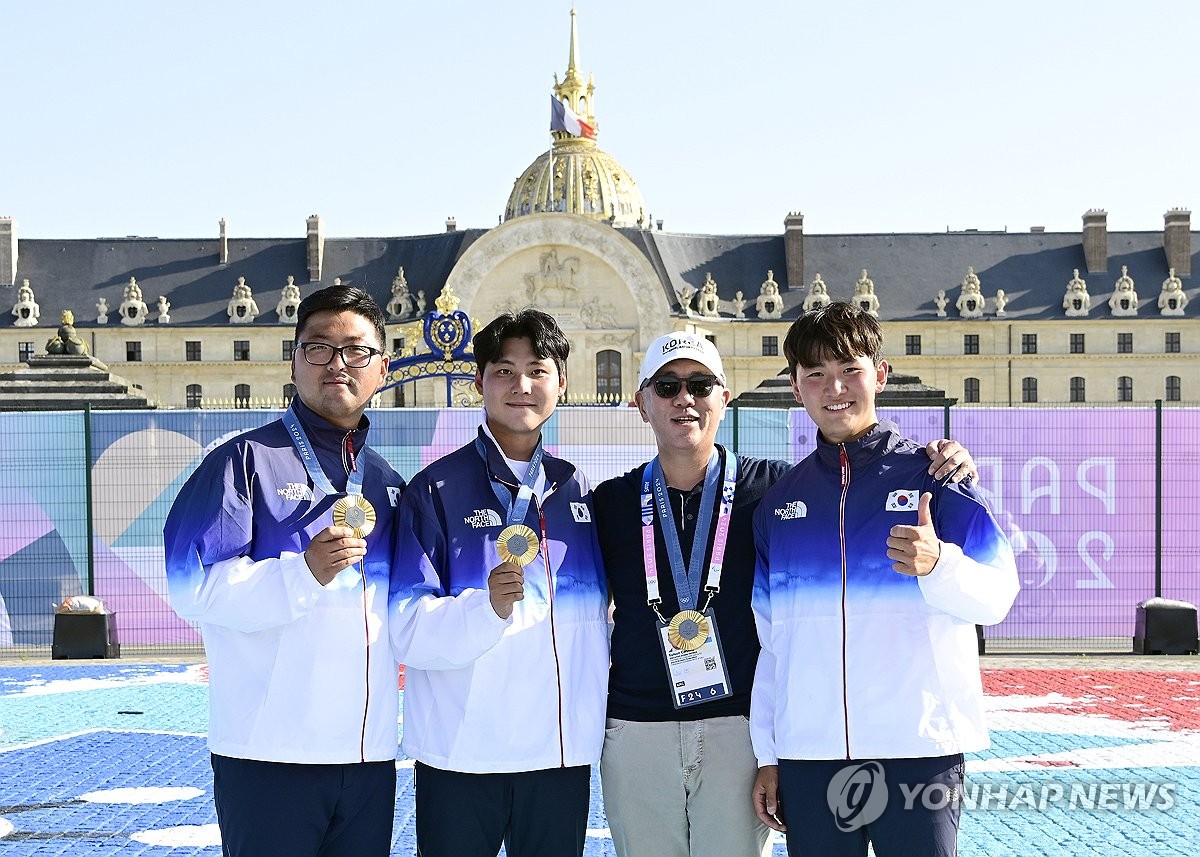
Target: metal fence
{"type": "Point", "coordinates": [1101, 504]}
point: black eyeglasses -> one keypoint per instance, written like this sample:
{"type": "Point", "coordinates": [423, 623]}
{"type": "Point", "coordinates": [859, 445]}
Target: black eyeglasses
{"type": "Point", "coordinates": [698, 386]}
{"type": "Point", "coordinates": [353, 356]}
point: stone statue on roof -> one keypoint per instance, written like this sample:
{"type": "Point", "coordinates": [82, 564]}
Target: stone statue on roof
{"type": "Point", "coordinates": [102, 311]}
{"type": "Point", "coordinates": [1124, 300]}
{"type": "Point", "coordinates": [133, 309]}
{"type": "Point", "coordinates": [769, 303]}
{"type": "Point", "coordinates": [708, 304]}
{"type": "Point", "coordinates": [685, 293]}
{"type": "Point", "coordinates": [1077, 301]}
{"type": "Point", "coordinates": [970, 301]}
{"type": "Point", "coordinates": [1172, 299]}
{"type": "Point", "coordinates": [26, 310]}
{"type": "Point", "coordinates": [289, 301]}
{"type": "Point", "coordinates": [818, 294]}
{"type": "Point", "coordinates": [739, 304]}
{"type": "Point", "coordinates": [164, 310]}
{"type": "Point", "coordinates": [241, 308]}
{"type": "Point", "coordinates": [940, 302]}
{"type": "Point", "coordinates": [1001, 303]}
{"type": "Point", "coordinates": [864, 295]}
{"type": "Point", "coordinates": [401, 305]}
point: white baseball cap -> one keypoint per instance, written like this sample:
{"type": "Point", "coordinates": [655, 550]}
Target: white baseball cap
{"type": "Point", "coordinates": [680, 346]}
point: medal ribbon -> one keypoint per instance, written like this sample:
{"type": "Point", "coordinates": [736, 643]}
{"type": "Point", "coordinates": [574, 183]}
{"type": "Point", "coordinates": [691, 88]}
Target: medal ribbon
{"type": "Point", "coordinates": [308, 455]}
{"type": "Point", "coordinates": [654, 495]}
{"type": "Point", "coordinates": [515, 508]}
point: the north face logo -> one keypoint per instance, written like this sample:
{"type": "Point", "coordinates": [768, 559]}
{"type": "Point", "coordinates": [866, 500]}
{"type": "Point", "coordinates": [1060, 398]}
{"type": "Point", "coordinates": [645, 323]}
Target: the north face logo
{"type": "Point", "coordinates": [483, 518]}
{"type": "Point", "coordinates": [295, 491]}
{"type": "Point", "coordinates": [794, 509]}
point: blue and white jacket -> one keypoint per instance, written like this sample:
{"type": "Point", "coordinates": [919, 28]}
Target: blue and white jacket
{"type": "Point", "coordinates": [484, 694]}
{"type": "Point", "coordinates": [859, 661]}
{"type": "Point", "coordinates": [298, 672]}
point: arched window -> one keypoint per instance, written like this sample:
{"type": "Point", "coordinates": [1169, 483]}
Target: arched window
{"type": "Point", "coordinates": [195, 395]}
{"type": "Point", "coordinates": [1078, 390]}
{"type": "Point", "coordinates": [971, 390]}
{"type": "Point", "coordinates": [608, 376]}
{"type": "Point", "coordinates": [241, 396]}
{"type": "Point", "coordinates": [1124, 389]}
{"type": "Point", "coordinates": [1174, 389]}
{"type": "Point", "coordinates": [1029, 389]}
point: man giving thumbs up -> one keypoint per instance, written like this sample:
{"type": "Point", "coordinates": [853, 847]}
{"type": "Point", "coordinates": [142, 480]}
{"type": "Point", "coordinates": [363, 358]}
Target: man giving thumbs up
{"type": "Point", "coordinates": [870, 576]}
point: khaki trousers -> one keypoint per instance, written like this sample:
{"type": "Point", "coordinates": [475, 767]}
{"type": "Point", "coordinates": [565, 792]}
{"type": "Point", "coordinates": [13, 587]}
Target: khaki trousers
{"type": "Point", "coordinates": [681, 789]}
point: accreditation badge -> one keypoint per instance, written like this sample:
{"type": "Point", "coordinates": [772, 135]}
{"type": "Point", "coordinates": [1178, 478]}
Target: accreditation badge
{"type": "Point", "coordinates": [695, 662]}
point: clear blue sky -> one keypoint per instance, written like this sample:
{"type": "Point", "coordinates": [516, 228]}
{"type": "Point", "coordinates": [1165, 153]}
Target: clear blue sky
{"type": "Point", "coordinates": [158, 118]}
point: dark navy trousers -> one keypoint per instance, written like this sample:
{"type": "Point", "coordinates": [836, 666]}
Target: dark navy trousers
{"type": "Point", "coordinates": [534, 813]}
{"type": "Point", "coordinates": [272, 809]}
{"type": "Point", "coordinates": [903, 807]}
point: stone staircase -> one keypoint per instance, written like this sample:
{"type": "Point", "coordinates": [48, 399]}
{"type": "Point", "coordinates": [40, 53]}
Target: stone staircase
{"type": "Point", "coordinates": [66, 383]}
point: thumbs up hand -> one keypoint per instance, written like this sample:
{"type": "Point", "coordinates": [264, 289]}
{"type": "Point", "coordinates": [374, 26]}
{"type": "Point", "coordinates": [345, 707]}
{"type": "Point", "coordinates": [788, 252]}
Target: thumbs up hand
{"type": "Point", "coordinates": [915, 550]}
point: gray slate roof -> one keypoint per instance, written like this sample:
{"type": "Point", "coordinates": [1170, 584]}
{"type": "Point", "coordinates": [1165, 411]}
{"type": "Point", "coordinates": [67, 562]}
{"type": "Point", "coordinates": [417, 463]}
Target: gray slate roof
{"type": "Point", "coordinates": [907, 269]}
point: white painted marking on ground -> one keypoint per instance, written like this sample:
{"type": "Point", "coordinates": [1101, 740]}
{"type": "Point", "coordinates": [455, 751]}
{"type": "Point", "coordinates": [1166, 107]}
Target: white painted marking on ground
{"type": "Point", "coordinates": [184, 836]}
{"type": "Point", "coordinates": [144, 794]}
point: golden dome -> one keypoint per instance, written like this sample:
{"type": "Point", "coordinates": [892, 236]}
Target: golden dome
{"type": "Point", "coordinates": [575, 176]}
{"type": "Point", "coordinates": [586, 181]}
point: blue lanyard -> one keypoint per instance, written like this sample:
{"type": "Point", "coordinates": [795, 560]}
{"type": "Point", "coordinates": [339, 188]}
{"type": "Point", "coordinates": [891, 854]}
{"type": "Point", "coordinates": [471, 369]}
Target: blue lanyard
{"type": "Point", "coordinates": [654, 495]}
{"type": "Point", "coordinates": [515, 508]}
{"type": "Point", "coordinates": [308, 455]}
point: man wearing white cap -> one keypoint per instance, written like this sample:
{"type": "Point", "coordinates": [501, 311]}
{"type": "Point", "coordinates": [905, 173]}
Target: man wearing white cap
{"type": "Point", "coordinates": [677, 767]}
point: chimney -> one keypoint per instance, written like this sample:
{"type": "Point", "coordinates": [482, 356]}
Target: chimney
{"type": "Point", "coordinates": [451, 224]}
{"type": "Point", "coordinates": [316, 248]}
{"type": "Point", "coordinates": [1177, 240]}
{"type": "Point", "coordinates": [8, 251]}
{"type": "Point", "coordinates": [793, 249]}
{"type": "Point", "coordinates": [1095, 240]}
{"type": "Point", "coordinates": [223, 246]}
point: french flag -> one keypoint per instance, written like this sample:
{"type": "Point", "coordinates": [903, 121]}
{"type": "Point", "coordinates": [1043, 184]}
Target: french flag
{"type": "Point", "coordinates": [562, 118]}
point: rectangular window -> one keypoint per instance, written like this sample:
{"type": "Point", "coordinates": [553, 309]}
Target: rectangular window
{"type": "Point", "coordinates": [1171, 345]}
{"type": "Point", "coordinates": [1077, 343]}
{"type": "Point", "coordinates": [241, 349]}
{"type": "Point", "coordinates": [770, 346]}
{"type": "Point", "coordinates": [397, 344]}
{"type": "Point", "coordinates": [1124, 343]}
{"type": "Point", "coordinates": [970, 343]}
{"type": "Point", "coordinates": [191, 350]}
{"type": "Point", "coordinates": [133, 352]}
{"type": "Point", "coordinates": [1174, 389]}
{"type": "Point", "coordinates": [1078, 390]}
{"type": "Point", "coordinates": [912, 343]}
{"type": "Point", "coordinates": [288, 346]}
{"type": "Point", "coordinates": [1124, 389]}
{"type": "Point", "coordinates": [24, 351]}
{"type": "Point", "coordinates": [1029, 344]}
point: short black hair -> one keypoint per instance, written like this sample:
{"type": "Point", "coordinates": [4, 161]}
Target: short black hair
{"type": "Point", "coordinates": [342, 299]}
{"type": "Point", "coordinates": [545, 338]}
{"type": "Point", "coordinates": [837, 330]}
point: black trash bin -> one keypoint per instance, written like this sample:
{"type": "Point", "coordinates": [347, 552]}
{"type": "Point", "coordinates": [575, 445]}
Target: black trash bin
{"type": "Point", "coordinates": [85, 635]}
{"type": "Point", "coordinates": [1165, 627]}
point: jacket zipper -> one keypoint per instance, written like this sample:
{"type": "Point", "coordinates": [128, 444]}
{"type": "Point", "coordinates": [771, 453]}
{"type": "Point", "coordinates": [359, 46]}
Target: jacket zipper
{"type": "Point", "coordinates": [350, 463]}
{"type": "Point", "coordinates": [844, 460]}
{"type": "Point", "coordinates": [562, 750]}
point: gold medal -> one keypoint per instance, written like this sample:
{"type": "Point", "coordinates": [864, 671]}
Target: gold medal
{"type": "Point", "coordinates": [517, 544]}
{"type": "Point", "coordinates": [356, 512]}
{"type": "Point", "coordinates": [688, 630]}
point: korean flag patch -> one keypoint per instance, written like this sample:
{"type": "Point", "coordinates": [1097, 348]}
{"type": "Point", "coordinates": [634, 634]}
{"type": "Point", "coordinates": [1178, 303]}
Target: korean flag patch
{"type": "Point", "coordinates": [580, 512]}
{"type": "Point", "coordinates": [903, 501]}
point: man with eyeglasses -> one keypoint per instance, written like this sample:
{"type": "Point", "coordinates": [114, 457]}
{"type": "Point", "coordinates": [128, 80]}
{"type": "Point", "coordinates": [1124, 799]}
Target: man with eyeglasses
{"type": "Point", "coordinates": [678, 767]}
{"type": "Point", "coordinates": [279, 546]}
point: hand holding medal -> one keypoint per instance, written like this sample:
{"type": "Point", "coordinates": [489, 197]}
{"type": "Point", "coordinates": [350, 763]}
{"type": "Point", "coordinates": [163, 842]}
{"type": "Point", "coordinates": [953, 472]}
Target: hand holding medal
{"type": "Point", "coordinates": [356, 512]}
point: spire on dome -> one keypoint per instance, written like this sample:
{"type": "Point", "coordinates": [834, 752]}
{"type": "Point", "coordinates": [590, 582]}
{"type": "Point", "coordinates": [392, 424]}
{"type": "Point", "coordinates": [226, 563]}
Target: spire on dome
{"type": "Point", "coordinates": [573, 91]}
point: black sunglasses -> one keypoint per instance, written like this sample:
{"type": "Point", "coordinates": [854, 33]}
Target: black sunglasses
{"type": "Point", "coordinates": [698, 386]}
